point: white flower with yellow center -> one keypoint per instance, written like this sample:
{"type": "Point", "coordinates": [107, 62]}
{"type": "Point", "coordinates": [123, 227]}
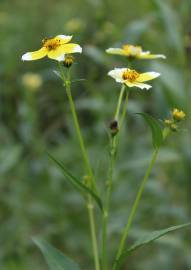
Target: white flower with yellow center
{"type": "Point", "coordinates": [134, 52]}
{"type": "Point", "coordinates": [132, 78]}
{"type": "Point", "coordinates": [55, 48]}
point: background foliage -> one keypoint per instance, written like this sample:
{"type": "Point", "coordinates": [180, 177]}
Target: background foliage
{"type": "Point", "coordinates": [35, 117]}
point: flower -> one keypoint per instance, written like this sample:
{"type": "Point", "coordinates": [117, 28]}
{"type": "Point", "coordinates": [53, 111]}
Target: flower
{"type": "Point", "coordinates": [132, 78]}
{"type": "Point", "coordinates": [55, 48]}
{"type": "Point", "coordinates": [178, 115]}
{"type": "Point", "coordinates": [134, 52]}
{"type": "Point", "coordinates": [31, 80]}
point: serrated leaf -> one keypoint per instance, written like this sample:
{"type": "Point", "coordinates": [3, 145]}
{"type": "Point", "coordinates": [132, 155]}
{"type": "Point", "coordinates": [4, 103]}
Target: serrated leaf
{"type": "Point", "coordinates": [77, 183]}
{"type": "Point", "coordinates": [149, 238]}
{"type": "Point", "coordinates": [55, 259]}
{"type": "Point", "coordinates": [157, 136]}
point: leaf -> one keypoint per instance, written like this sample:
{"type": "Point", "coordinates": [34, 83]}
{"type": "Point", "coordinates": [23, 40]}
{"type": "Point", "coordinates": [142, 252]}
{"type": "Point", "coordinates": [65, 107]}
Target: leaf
{"type": "Point", "coordinates": [149, 238]}
{"type": "Point", "coordinates": [157, 136]}
{"type": "Point", "coordinates": [55, 259]}
{"type": "Point", "coordinates": [77, 183]}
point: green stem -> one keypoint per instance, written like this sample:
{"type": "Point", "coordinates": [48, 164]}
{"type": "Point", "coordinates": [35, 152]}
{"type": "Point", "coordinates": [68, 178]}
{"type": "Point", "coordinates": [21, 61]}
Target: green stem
{"type": "Point", "coordinates": [90, 206]}
{"type": "Point", "coordinates": [119, 102]}
{"type": "Point", "coordinates": [107, 205]}
{"type": "Point", "coordinates": [113, 150]}
{"type": "Point", "coordinates": [78, 131]}
{"type": "Point", "coordinates": [124, 109]}
{"type": "Point", "coordinates": [134, 208]}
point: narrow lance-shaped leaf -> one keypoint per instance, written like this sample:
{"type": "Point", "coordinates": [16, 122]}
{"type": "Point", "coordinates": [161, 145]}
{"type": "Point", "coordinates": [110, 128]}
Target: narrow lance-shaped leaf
{"type": "Point", "coordinates": [77, 183]}
{"type": "Point", "coordinates": [149, 238]}
{"type": "Point", "coordinates": [55, 259]}
{"type": "Point", "coordinates": [157, 136]}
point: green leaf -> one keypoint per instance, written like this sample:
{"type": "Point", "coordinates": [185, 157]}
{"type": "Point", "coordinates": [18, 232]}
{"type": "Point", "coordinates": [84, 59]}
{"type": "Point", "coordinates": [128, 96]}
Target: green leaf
{"type": "Point", "coordinates": [149, 238]}
{"type": "Point", "coordinates": [157, 136]}
{"type": "Point", "coordinates": [77, 183]}
{"type": "Point", "coordinates": [55, 259]}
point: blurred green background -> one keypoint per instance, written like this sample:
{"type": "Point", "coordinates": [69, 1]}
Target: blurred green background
{"type": "Point", "coordinates": [34, 198]}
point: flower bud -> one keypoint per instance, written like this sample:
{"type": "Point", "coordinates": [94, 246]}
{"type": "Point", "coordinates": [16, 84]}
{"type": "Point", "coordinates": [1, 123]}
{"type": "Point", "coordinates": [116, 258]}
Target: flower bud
{"type": "Point", "coordinates": [114, 127]}
{"type": "Point", "coordinates": [178, 115]}
{"type": "Point", "coordinates": [174, 127]}
{"type": "Point", "coordinates": [168, 122]}
{"type": "Point", "coordinates": [68, 61]}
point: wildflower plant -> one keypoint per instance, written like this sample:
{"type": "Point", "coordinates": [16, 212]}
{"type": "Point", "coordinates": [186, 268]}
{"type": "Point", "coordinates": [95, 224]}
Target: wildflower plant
{"type": "Point", "coordinates": [59, 49]}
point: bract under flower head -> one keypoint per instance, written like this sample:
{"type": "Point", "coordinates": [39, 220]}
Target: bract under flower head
{"type": "Point", "coordinates": [55, 48]}
{"type": "Point", "coordinates": [132, 78]}
{"type": "Point", "coordinates": [132, 51]}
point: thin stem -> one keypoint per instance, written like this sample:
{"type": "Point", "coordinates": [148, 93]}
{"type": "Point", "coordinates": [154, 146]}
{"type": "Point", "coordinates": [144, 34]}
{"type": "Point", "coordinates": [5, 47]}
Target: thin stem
{"type": "Point", "coordinates": [90, 206]}
{"type": "Point", "coordinates": [134, 208]}
{"type": "Point", "coordinates": [113, 150]}
{"type": "Point", "coordinates": [124, 109]}
{"type": "Point", "coordinates": [78, 131]}
{"type": "Point", "coordinates": [119, 102]}
{"type": "Point", "coordinates": [107, 205]}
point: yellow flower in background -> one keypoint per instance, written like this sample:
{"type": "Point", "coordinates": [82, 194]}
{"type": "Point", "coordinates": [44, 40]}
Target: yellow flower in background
{"type": "Point", "coordinates": [134, 52]}
{"type": "Point", "coordinates": [31, 80]}
{"type": "Point", "coordinates": [74, 25]}
{"type": "Point", "coordinates": [132, 78]}
{"type": "Point", "coordinates": [55, 48]}
{"type": "Point", "coordinates": [178, 115]}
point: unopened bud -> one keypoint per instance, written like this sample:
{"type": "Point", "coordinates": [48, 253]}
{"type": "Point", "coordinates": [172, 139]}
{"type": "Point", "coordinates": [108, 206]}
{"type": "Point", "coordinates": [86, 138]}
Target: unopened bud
{"type": "Point", "coordinates": [114, 127]}
{"type": "Point", "coordinates": [168, 122]}
{"type": "Point", "coordinates": [68, 61]}
{"type": "Point", "coordinates": [173, 127]}
{"type": "Point", "coordinates": [178, 115]}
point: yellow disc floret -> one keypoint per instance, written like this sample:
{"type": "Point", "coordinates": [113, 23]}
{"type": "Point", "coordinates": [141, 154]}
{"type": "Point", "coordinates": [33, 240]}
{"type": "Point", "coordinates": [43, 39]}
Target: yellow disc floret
{"type": "Point", "coordinates": [131, 50]}
{"type": "Point", "coordinates": [52, 43]}
{"type": "Point", "coordinates": [130, 75]}
{"type": "Point", "coordinates": [178, 115]}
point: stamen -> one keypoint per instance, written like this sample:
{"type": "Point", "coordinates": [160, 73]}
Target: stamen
{"type": "Point", "coordinates": [51, 44]}
{"type": "Point", "coordinates": [130, 75]}
{"type": "Point", "coordinates": [131, 50]}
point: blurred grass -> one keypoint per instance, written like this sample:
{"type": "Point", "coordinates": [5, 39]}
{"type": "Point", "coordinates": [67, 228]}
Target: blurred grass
{"type": "Point", "coordinates": [34, 198]}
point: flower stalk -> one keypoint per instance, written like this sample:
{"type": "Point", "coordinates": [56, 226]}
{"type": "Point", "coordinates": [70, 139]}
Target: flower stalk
{"type": "Point", "coordinates": [125, 233]}
{"type": "Point", "coordinates": [91, 183]}
{"type": "Point", "coordinates": [109, 183]}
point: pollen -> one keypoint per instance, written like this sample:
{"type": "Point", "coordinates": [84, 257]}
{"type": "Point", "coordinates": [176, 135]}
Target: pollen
{"type": "Point", "coordinates": [51, 44]}
{"type": "Point", "coordinates": [130, 75]}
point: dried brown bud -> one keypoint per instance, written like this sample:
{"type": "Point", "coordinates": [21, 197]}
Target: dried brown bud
{"type": "Point", "coordinates": [114, 127]}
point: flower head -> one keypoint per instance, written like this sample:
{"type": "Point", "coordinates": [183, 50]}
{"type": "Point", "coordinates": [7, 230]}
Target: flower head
{"type": "Point", "coordinates": [132, 51]}
{"type": "Point", "coordinates": [32, 81]}
{"type": "Point", "coordinates": [55, 48]}
{"type": "Point", "coordinates": [133, 78]}
{"type": "Point", "coordinates": [178, 115]}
